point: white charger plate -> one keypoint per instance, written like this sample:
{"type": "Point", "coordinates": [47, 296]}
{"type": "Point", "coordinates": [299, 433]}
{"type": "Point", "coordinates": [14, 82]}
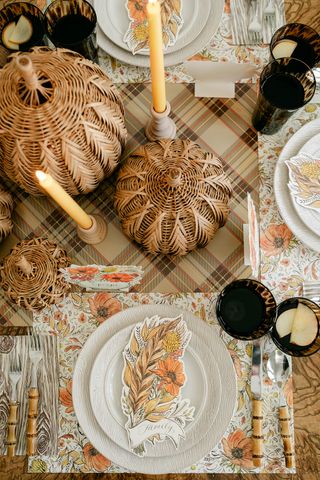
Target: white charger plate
{"type": "Point", "coordinates": [85, 414]}
{"type": "Point", "coordinates": [310, 217]}
{"type": "Point", "coordinates": [173, 58]}
{"type": "Point", "coordinates": [112, 17]}
{"type": "Point", "coordinates": [203, 388]}
{"type": "Point", "coordinates": [283, 197]}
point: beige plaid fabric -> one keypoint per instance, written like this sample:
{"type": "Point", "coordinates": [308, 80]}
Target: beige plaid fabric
{"type": "Point", "coordinates": [218, 125]}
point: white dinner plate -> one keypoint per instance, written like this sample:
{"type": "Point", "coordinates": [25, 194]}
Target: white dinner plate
{"type": "Point", "coordinates": [283, 197]}
{"type": "Point", "coordinates": [172, 58]}
{"type": "Point", "coordinates": [203, 388]}
{"type": "Point", "coordinates": [310, 217]}
{"type": "Point", "coordinates": [83, 408]}
{"type": "Point", "coordinates": [112, 17]}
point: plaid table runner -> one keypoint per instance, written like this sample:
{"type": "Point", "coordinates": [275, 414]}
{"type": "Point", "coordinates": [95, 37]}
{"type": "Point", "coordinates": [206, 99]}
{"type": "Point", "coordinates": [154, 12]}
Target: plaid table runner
{"type": "Point", "coordinates": [221, 126]}
{"type": "Point", "coordinates": [79, 315]}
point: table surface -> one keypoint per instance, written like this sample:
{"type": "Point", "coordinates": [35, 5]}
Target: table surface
{"type": "Point", "coordinates": [306, 377]}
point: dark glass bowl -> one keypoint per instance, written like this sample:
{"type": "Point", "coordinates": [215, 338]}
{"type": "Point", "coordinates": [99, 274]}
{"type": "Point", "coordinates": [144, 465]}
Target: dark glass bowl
{"type": "Point", "coordinates": [285, 346]}
{"type": "Point", "coordinates": [13, 10]}
{"type": "Point", "coordinates": [252, 298]}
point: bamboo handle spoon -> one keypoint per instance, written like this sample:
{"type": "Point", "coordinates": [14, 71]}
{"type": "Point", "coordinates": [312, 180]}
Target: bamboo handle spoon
{"type": "Point", "coordinates": [278, 371]}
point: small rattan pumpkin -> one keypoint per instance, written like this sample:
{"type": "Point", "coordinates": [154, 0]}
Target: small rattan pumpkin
{"type": "Point", "coordinates": [30, 275]}
{"type": "Point", "coordinates": [59, 113]}
{"type": "Point", "coordinates": [171, 196]}
{"type": "Point", "coordinates": [6, 207]}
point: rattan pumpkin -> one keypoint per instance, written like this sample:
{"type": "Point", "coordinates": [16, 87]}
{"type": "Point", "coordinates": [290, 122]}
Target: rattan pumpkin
{"type": "Point", "coordinates": [59, 113]}
{"type": "Point", "coordinates": [171, 196]}
{"type": "Point", "coordinates": [6, 207]}
{"type": "Point", "coordinates": [30, 275]}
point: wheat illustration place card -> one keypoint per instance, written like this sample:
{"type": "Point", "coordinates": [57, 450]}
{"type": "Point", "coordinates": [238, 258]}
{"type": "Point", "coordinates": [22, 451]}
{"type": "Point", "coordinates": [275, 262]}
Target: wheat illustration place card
{"type": "Point", "coordinates": [153, 380]}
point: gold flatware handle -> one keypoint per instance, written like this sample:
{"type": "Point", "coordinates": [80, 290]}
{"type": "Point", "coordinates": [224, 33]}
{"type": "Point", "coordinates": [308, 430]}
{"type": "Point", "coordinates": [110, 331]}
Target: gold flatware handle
{"type": "Point", "coordinates": [284, 418]}
{"type": "Point", "coordinates": [32, 421]}
{"type": "Point", "coordinates": [12, 423]}
{"type": "Point", "coordinates": [257, 436]}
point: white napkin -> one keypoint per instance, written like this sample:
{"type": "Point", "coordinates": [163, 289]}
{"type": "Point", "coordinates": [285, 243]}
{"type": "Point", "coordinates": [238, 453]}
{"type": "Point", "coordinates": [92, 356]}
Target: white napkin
{"type": "Point", "coordinates": [217, 79]}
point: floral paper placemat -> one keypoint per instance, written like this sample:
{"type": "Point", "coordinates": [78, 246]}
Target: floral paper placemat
{"type": "Point", "coordinates": [285, 261]}
{"type": "Point", "coordinates": [79, 315]}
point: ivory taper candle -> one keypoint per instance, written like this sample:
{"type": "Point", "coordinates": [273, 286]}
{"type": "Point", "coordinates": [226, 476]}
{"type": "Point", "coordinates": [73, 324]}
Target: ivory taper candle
{"type": "Point", "coordinates": [63, 199]}
{"type": "Point", "coordinates": [156, 56]}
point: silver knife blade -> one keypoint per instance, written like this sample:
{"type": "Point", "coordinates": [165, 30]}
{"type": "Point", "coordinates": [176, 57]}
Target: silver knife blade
{"type": "Point", "coordinates": [256, 370]}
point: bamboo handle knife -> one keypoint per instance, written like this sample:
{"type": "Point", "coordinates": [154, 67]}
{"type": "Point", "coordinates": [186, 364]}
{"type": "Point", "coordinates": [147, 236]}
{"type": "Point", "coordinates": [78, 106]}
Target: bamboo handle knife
{"type": "Point", "coordinates": [257, 436]}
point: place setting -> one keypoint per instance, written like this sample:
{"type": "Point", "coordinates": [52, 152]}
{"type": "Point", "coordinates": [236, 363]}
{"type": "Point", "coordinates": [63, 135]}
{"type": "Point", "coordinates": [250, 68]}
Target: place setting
{"type": "Point", "coordinates": [159, 259]}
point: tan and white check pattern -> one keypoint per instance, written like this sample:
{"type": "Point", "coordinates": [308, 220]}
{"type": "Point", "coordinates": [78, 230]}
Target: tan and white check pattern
{"type": "Point", "coordinates": [221, 126]}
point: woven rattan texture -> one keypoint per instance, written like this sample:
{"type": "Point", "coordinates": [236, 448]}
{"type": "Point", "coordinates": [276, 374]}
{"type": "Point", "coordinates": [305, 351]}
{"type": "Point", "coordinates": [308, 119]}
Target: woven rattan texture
{"type": "Point", "coordinates": [6, 207]}
{"type": "Point", "coordinates": [172, 196]}
{"type": "Point", "coordinates": [218, 126]}
{"type": "Point", "coordinates": [60, 113]}
{"type": "Point", "coordinates": [30, 275]}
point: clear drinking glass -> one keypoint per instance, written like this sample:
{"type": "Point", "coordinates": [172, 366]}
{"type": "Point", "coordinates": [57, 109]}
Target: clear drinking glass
{"type": "Point", "coordinates": [286, 85]}
{"type": "Point", "coordinates": [297, 40]}
{"type": "Point", "coordinates": [71, 24]}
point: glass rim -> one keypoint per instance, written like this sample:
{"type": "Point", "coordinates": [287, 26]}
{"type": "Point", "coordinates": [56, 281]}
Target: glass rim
{"type": "Point", "coordinates": [73, 43]}
{"type": "Point", "coordinates": [30, 5]}
{"type": "Point", "coordinates": [309, 69]}
{"type": "Point", "coordinates": [288, 25]}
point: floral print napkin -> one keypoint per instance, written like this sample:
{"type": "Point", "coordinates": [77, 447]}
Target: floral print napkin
{"type": "Point", "coordinates": [120, 278]}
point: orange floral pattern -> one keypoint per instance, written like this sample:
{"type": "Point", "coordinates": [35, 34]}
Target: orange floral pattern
{"type": "Point", "coordinates": [83, 273]}
{"type": "Point", "coordinates": [65, 396]}
{"type": "Point", "coordinates": [119, 277]}
{"type": "Point", "coordinates": [238, 448]}
{"type": "Point", "coordinates": [171, 375]}
{"type": "Point", "coordinates": [103, 305]}
{"type": "Point", "coordinates": [275, 239]}
{"type": "Point", "coordinates": [95, 460]}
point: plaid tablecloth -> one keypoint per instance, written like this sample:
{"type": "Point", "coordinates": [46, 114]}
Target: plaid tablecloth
{"type": "Point", "coordinates": [221, 126]}
{"type": "Point", "coordinates": [79, 315]}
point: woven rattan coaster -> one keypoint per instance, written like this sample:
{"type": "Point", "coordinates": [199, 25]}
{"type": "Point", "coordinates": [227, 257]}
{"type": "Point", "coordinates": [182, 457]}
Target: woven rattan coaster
{"type": "Point", "coordinates": [172, 196]}
{"type": "Point", "coordinates": [30, 275]}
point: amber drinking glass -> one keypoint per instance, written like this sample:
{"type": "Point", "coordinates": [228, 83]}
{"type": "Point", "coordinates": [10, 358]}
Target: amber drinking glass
{"type": "Point", "coordinates": [246, 309]}
{"type": "Point", "coordinates": [71, 24]}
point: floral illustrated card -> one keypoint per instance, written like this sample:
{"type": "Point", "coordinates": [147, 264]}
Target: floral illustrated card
{"type": "Point", "coordinates": [254, 237]}
{"type": "Point", "coordinates": [119, 278]}
{"type": "Point", "coordinates": [153, 377]}
{"type": "Point", "coordinates": [304, 184]}
{"type": "Point", "coordinates": [137, 35]}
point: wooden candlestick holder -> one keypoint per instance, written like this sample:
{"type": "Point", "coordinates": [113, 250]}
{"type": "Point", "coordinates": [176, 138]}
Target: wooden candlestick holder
{"type": "Point", "coordinates": [96, 233]}
{"type": "Point", "coordinates": [160, 125]}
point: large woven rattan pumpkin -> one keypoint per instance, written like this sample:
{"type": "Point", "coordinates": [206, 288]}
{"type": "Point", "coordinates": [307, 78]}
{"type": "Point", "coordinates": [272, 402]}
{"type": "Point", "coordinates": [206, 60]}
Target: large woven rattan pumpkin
{"type": "Point", "coordinates": [60, 113]}
{"type": "Point", "coordinates": [6, 207]}
{"type": "Point", "coordinates": [171, 196]}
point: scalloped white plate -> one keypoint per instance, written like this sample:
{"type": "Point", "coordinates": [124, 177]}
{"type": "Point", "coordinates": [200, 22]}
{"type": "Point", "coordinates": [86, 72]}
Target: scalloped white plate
{"type": "Point", "coordinates": [203, 389]}
{"type": "Point", "coordinates": [283, 196]}
{"type": "Point", "coordinates": [172, 58]}
{"type": "Point", "coordinates": [112, 17]}
{"type": "Point", "coordinates": [94, 432]}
